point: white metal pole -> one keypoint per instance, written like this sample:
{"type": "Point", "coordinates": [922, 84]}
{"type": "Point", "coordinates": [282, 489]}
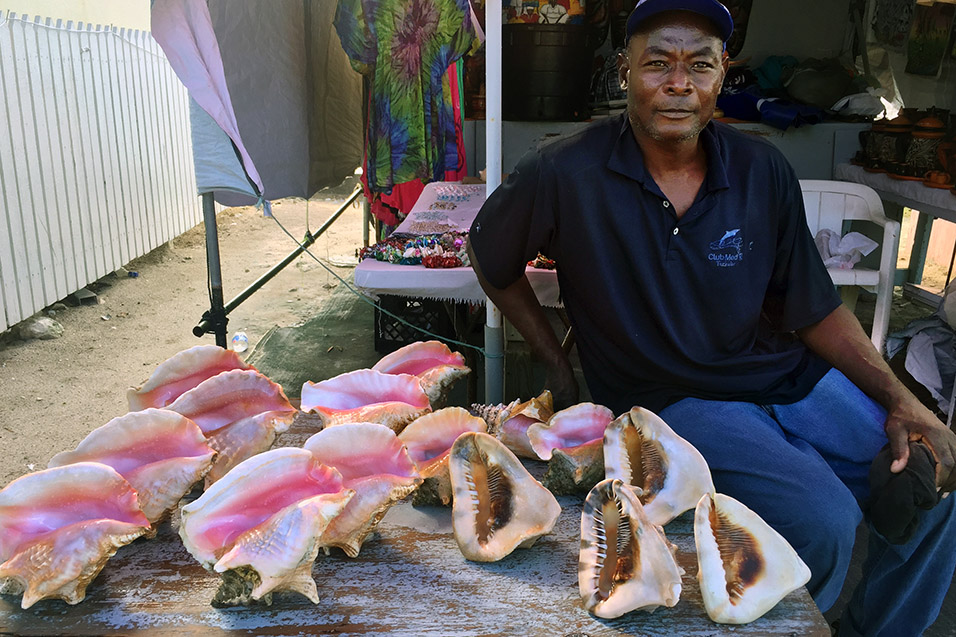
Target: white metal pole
{"type": "Point", "coordinates": [494, 331]}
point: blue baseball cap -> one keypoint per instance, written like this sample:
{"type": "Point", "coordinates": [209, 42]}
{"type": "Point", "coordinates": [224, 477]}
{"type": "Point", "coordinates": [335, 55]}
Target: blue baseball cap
{"type": "Point", "coordinates": [711, 9]}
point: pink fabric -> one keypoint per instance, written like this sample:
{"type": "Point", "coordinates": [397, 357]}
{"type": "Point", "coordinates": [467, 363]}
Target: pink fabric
{"type": "Point", "coordinates": [183, 28]}
{"type": "Point", "coordinates": [457, 175]}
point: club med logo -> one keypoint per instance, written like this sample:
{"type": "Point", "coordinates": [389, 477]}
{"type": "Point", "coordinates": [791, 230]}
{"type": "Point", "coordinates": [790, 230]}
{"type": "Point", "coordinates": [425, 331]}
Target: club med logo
{"type": "Point", "coordinates": [726, 252]}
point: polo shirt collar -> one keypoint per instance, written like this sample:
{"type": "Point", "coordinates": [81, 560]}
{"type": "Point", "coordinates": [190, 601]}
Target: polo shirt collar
{"type": "Point", "coordinates": [628, 160]}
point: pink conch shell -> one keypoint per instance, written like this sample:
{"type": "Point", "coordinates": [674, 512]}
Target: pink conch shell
{"type": "Point", "coordinates": [569, 428]}
{"type": "Point", "coordinates": [744, 566]}
{"type": "Point", "coordinates": [625, 562]}
{"type": "Point", "coordinates": [643, 452]}
{"type": "Point", "coordinates": [436, 366]}
{"type": "Point", "coordinates": [498, 506]}
{"type": "Point", "coordinates": [159, 452]}
{"type": "Point", "coordinates": [365, 395]}
{"type": "Point", "coordinates": [181, 373]}
{"type": "Point", "coordinates": [260, 524]}
{"type": "Point", "coordinates": [58, 528]}
{"type": "Point", "coordinates": [509, 423]}
{"type": "Point", "coordinates": [375, 464]}
{"type": "Point", "coordinates": [429, 440]}
{"type": "Point", "coordinates": [240, 412]}
{"type": "Point", "coordinates": [572, 442]}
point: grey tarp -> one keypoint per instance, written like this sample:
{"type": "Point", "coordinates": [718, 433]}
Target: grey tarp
{"type": "Point", "coordinates": [279, 107]}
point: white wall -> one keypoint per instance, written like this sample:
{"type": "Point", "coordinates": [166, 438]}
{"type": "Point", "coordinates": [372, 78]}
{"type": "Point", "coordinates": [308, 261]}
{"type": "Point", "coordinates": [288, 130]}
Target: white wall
{"type": "Point", "coordinates": [130, 14]}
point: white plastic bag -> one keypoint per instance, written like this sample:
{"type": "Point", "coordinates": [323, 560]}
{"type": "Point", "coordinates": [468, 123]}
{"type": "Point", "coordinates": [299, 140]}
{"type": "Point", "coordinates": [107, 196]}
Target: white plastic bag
{"type": "Point", "coordinates": [843, 252]}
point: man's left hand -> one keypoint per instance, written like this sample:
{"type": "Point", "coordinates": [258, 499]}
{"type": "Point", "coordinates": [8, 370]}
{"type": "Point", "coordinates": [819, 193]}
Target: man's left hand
{"type": "Point", "coordinates": [914, 422]}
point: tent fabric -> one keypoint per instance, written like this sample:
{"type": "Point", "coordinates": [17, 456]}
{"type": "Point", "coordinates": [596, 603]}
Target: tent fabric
{"type": "Point", "coordinates": [183, 28]}
{"type": "Point", "coordinates": [217, 166]}
{"type": "Point", "coordinates": [272, 76]}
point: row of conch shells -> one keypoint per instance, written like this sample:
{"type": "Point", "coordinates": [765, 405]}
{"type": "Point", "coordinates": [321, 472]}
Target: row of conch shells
{"type": "Point", "coordinates": [653, 475]}
{"type": "Point", "coordinates": [59, 526]}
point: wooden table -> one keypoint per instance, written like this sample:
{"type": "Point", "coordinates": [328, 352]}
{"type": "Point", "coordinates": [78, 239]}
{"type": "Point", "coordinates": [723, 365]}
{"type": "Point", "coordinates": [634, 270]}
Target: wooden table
{"type": "Point", "coordinates": [410, 580]}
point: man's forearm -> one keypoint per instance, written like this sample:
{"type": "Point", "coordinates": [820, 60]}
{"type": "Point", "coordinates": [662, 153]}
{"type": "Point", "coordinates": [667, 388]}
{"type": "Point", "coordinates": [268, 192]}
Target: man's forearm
{"type": "Point", "coordinates": [841, 341]}
{"type": "Point", "coordinates": [520, 305]}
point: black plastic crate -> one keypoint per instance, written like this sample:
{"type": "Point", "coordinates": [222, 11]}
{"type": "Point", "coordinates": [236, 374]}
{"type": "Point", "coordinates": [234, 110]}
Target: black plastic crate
{"type": "Point", "coordinates": [429, 314]}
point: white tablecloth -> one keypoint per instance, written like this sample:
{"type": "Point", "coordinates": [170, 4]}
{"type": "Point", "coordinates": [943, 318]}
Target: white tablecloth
{"type": "Point", "coordinates": [936, 201]}
{"type": "Point", "coordinates": [457, 284]}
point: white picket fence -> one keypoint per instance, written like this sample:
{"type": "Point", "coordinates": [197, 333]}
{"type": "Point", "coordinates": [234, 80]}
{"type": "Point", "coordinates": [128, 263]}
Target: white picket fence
{"type": "Point", "coordinates": [96, 161]}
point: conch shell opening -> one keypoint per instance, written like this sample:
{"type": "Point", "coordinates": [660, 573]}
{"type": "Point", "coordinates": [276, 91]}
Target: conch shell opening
{"type": "Point", "coordinates": [498, 506]}
{"type": "Point", "coordinates": [744, 566]}
{"type": "Point", "coordinates": [625, 562]}
{"type": "Point", "coordinates": [668, 473]}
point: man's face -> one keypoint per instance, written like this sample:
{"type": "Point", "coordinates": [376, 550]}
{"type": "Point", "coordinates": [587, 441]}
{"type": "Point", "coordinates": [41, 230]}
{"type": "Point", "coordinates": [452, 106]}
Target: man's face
{"type": "Point", "coordinates": [672, 74]}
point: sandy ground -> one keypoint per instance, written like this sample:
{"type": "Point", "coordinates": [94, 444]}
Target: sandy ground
{"type": "Point", "coordinates": [56, 391]}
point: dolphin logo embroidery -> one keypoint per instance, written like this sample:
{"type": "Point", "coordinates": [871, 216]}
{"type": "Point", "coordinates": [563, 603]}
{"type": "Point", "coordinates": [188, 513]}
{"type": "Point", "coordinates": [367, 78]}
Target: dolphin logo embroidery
{"type": "Point", "coordinates": [729, 240]}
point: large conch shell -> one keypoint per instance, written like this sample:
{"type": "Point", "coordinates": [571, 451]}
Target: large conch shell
{"type": "Point", "coordinates": [642, 451]}
{"type": "Point", "coordinates": [365, 395]}
{"type": "Point", "coordinates": [375, 464]}
{"type": "Point", "coordinates": [162, 454]}
{"type": "Point", "coordinates": [498, 506]}
{"type": "Point", "coordinates": [429, 440]}
{"type": "Point", "coordinates": [433, 362]}
{"type": "Point", "coordinates": [260, 524]}
{"type": "Point", "coordinates": [509, 423]}
{"type": "Point", "coordinates": [240, 412]}
{"type": "Point", "coordinates": [625, 563]}
{"type": "Point", "coordinates": [744, 567]}
{"type": "Point", "coordinates": [58, 528]}
{"type": "Point", "coordinates": [181, 373]}
{"type": "Point", "coordinates": [572, 441]}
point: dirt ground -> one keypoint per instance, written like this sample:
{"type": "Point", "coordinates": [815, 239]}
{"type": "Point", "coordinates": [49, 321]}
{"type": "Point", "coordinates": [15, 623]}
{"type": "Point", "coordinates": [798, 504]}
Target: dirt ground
{"type": "Point", "coordinates": [56, 391]}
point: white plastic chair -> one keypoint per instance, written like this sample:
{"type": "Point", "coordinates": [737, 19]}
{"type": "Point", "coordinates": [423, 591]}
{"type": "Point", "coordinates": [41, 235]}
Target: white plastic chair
{"type": "Point", "coordinates": [829, 204]}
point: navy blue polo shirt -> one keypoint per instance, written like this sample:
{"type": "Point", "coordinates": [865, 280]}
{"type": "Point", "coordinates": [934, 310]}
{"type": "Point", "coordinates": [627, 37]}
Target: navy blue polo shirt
{"type": "Point", "coordinates": [663, 308]}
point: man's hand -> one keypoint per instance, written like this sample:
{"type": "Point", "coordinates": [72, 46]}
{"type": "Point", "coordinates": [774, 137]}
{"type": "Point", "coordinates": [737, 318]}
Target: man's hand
{"type": "Point", "coordinates": [563, 386]}
{"type": "Point", "coordinates": [914, 422]}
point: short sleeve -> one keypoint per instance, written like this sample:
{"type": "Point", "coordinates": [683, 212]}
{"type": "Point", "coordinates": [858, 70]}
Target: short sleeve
{"type": "Point", "coordinates": [801, 291]}
{"type": "Point", "coordinates": [515, 223]}
{"type": "Point", "coordinates": [353, 30]}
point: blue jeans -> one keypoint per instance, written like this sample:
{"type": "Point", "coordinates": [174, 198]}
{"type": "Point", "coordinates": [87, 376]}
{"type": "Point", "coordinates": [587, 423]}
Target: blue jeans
{"type": "Point", "coordinates": [804, 469]}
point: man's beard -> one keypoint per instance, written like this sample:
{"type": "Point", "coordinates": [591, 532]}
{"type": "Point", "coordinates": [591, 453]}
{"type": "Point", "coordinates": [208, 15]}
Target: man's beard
{"type": "Point", "coordinates": [659, 137]}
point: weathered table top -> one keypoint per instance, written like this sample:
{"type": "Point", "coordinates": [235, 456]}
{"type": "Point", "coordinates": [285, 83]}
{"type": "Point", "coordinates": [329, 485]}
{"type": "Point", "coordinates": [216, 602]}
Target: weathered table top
{"type": "Point", "coordinates": [409, 579]}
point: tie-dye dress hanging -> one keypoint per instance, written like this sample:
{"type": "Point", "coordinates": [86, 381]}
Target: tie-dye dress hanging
{"type": "Point", "coordinates": [405, 48]}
